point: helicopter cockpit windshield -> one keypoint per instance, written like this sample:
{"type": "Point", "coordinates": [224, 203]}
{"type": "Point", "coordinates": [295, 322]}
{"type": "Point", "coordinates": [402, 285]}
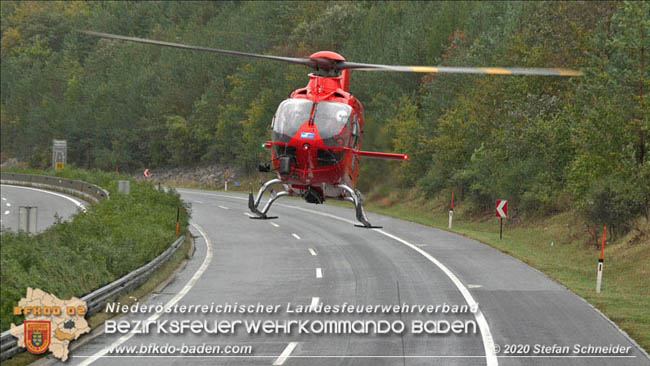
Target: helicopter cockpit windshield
{"type": "Point", "coordinates": [291, 114]}
{"type": "Point", "coordinates": [333, 121]}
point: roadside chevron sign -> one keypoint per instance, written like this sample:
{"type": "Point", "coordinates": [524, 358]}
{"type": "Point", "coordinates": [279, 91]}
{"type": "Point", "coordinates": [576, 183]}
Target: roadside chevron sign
{"type": "Point", "coordinates": [502, 208]}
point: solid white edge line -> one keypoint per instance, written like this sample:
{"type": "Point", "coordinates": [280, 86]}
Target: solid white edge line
{"type": "Point", "coordinates": [643, 351]}
{"type": "Point", "coordinates": [486, 335]}
{"type": "Point", "coordinates": [188, 286]}
{"type": "Point", "coordinates": [285, 354]}
{"type": "Point", "coordinates": [76, 202]}
{"type": "Point", "coordinates": [312, 252]}
{"type": "Point", "coordinates": [319, 273]}
{"type": "Point", "coordinates": [295, 236]}
{"type": "Point", "coordinates": [488, 341]}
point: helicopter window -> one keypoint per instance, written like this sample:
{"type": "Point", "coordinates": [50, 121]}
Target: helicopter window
{"type": "Point", "coordinates": [333, 121]}
{"type": "Point", "coordinates": [291, 114]}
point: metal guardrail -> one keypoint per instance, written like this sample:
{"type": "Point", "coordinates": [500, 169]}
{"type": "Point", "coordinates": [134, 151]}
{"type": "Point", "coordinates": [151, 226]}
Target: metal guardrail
{"type": "Point", "coordinates": [77, 188]}
{"type": "Point", "coordinates": [97, 299]}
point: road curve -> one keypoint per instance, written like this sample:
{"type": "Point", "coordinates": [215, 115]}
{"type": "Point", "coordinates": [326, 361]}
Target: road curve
{"type": "Point", "coordinates": [312, 255]}
{"type": "Point", "coordinates": [49, 204]}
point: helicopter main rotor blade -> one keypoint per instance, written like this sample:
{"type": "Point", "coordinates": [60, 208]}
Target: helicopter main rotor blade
{"type": "Point", "coordinates": [292, 60]}
{"type": "Point", "coordinates": [326, 64]}
{"type": "Point", "coordinates": [461, 70]}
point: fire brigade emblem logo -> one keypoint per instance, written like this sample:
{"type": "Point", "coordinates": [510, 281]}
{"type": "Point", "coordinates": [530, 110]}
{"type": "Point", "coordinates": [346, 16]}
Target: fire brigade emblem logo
{"type": "Point", "coordinates": [37, 335]}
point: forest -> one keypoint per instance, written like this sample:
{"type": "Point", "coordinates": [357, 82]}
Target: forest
{"type": "Point", "coordinates": [545, 143]}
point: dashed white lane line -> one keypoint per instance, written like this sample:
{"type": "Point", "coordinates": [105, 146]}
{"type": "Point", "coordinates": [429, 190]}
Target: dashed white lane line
{"type": "Point", "coordinates": [486, 335]}
{"type": "Point", "coordinates": [285, 354]}
{"type": "Point", "coordinates": [188, 286]}
{"type": "Point", "coordinates": [4, 199]}
{"type": "Point", "coordinates": [7, 212]}
{"type": "Point", "coordinates": [295, 236]}
{"type": "Point", "coordinates": [224, 207]}
{"type": "Point", "coordinates": [314, 302]}
{"type": "Point", "coordinates": [319, 273]}
{"type": "Point", "coordinates": [274, 224]}
{"type": "Point", "coordinates": [8, 204]}
{"type": "Point", "coordinates": [474, 286]}
{"type": "Point", "coordinates": [76, 202]}
{"type": "Point", "coordinates": [313, 252]}
{"type": "Point", "coordinates": [199, 202]}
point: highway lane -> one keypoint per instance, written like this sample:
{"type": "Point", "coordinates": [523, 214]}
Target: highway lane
{"type": "Point", "coordinates": [278, 261]}
{"type": "Point", "coordinates": [49, 204]}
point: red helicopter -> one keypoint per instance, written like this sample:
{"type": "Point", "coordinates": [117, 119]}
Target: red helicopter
{"type": "Point", "coordinates": [317, 132]}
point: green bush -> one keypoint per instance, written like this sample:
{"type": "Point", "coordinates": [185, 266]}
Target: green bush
{"type": "Point", "coordinates": [614, 201]}
{"type": "Point", "coordinates": [108, 241]}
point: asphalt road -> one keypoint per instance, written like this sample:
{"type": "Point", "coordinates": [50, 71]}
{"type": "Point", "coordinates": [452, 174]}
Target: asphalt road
{"type": "Point", "coordinates": [49, 204]}
{"type": "Point", "coordinates": [313, 254]}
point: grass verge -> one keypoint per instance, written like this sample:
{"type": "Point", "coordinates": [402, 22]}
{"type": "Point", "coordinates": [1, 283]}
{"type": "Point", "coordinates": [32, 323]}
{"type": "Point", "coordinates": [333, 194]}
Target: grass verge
{"type": "Point", "coordinates": [157, 279]}
{"type": "Point", "coordinates": [73, 258]}
{"type": "Point", "coordinates": [555, 246]}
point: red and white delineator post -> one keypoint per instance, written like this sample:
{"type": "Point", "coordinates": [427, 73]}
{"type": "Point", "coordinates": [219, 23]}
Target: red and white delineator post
{"type": "Point", "coordinates": [601, 260]}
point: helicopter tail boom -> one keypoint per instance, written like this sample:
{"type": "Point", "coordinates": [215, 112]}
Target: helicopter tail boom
{"type": "Point", "coordinates": [381, 155]}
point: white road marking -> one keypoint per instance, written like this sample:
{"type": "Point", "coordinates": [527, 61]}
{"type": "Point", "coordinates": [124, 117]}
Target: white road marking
{"type": "Point", "coordinates": [4, 199]}
{"type": "Point", "coordinates": [490, 357]}
{"type": "Point", "coordinates": [188, 286]}
{"type": "Point", "coordinates": [285, 354]}
{"type": "Point", "coordinates": [474, 286]}
{"type": "Point", "coordinates": [295, 236]}
{"type": "Point", "coordinates": [8, 204]}
{"type": "Point", "coordinates": [486, 335]}
{"type": "Point", "coordinates": [224, 207]}
{"type": "Point", "coordinates": [248, 214]}
{"type": "Point", "coordinates": [199, 202]}
{"type": "Point", "coordinates": [274, 224]}
{"type": "Point", "coordinates": [319, 273]}
{"type": "Point", "coordinates": [313, 252]}
{"type": "Point", "coordinates": [81, 206]}
{"type": "Point", "coordinates": [212, 194]}
{"type": "Point", "coordinates": [314, 302]}
{"type": "Point", "coordinates": [7, 212]}
{"type": "Point", "coordinates": [421, 245]}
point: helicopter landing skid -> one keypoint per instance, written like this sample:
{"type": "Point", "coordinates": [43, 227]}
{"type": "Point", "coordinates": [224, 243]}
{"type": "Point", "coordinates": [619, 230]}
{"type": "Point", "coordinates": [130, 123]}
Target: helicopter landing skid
{"type": "Point", "coordinates": [355, 198]}
{"type": "Point", "coordinates": [254, 202]}
{"type": "Point", "coordinates": [262, 217]}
